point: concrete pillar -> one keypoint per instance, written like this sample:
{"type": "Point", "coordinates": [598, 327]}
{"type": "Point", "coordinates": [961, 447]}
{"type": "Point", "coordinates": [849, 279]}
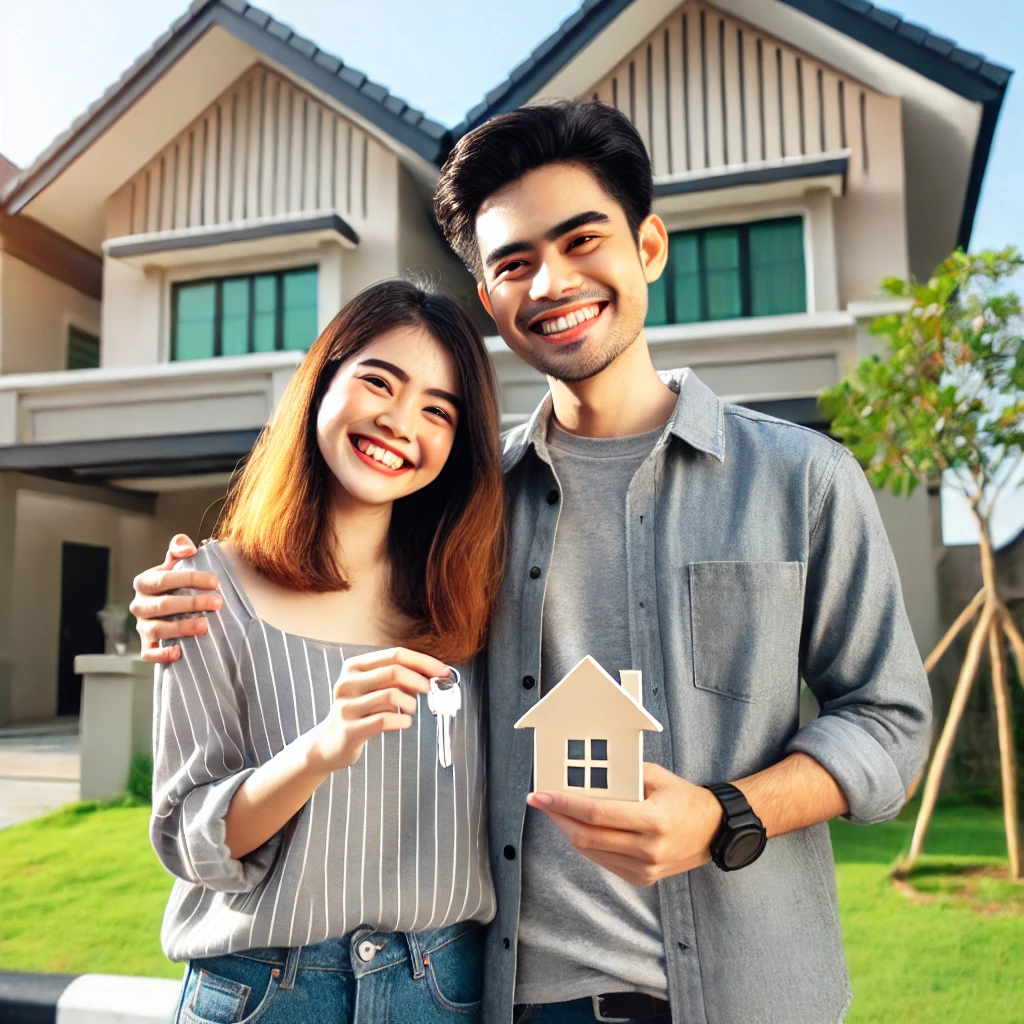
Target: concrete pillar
{"type": "Point", "coordinates": [8, 524]}
{"type": "Point", "coordinates": [117, 720]}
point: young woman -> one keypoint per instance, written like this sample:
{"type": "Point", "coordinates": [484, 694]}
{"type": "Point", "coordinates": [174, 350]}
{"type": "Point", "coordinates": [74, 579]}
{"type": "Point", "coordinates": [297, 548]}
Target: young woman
{"type": "Point", "coordinates": [330, 866]}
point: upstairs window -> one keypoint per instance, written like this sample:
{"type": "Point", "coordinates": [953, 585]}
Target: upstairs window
{"type": "Point", "coordinates": [83, 350]}
{"type": "Point", "coordinates": [735, 271]}
{"type": "Point", "coordinates": [230, 316]}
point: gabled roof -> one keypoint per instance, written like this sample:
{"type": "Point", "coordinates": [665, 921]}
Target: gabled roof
{"type": "Point", "coordinates": [595, 676]}
{"type": "Point", "coordinates": [935, 57]}
{"type": "Point", "coordinates": [393, 116]}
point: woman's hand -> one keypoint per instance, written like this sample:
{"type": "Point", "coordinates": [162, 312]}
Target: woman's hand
{"type": "Point", "coordinates": [375, 693]}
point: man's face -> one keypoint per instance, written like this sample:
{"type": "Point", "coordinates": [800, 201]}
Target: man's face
{"type": "Point", "coordinates": [563, 276]}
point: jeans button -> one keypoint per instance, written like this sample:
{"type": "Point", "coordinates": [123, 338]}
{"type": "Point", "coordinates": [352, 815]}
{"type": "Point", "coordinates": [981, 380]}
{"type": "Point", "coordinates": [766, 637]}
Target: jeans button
{"type": "Point", "coordinates": [366, 951]}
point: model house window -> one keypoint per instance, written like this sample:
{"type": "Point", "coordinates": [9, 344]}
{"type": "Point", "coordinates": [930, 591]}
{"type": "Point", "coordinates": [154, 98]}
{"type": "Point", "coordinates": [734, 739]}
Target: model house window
{"type": "Point", "coordinates": [230, 316]}
{"type": "Point", "coordinates": [733, 271]}
{"type": "Point", "coordinates": [587, 766]}
{"type": "Point", "coordinates": [83, 350]}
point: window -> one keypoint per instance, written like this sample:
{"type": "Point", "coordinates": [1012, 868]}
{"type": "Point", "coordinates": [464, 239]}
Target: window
{"type": "Point", "coordinates": [83, 350]}
{"type": "Point", "coordinates": [583, 772]}
{"type": "Point", "coordinates": [735, 271]}
{"type": "Point", "coordinates": [231, 316]}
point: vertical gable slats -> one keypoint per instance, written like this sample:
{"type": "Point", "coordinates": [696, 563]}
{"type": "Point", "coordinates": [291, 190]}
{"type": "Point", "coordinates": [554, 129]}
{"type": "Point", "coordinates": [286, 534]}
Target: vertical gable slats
{"type": "Point", "coordinates": [264, 148]}
{"type": "Point", "coordinates": [705, 90]}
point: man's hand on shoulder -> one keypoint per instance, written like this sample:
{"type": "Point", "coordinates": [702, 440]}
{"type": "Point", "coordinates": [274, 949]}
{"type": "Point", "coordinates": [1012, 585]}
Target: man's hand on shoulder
{"type": "Point", "coordinates": [154, 601]}
{"type": "Point", "coordinates": [667, 833]}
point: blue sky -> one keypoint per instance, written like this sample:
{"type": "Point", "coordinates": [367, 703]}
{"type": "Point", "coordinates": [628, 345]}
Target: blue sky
{"type": "Point", "coordinates": [56, 56]}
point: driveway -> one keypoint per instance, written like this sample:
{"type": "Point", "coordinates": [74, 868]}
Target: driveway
{"type": "Point", "coordinates": [39, 769]}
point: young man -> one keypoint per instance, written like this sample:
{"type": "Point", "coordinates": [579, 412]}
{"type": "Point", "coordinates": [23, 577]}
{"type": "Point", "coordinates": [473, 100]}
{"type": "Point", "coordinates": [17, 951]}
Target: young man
{"type": "Point", "coordinates": [725, 554]}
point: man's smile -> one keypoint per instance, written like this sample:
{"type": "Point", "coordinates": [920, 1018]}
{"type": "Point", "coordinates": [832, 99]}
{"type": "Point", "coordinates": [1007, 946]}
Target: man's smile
{"type": "Point", "coordinates": [568, 322]}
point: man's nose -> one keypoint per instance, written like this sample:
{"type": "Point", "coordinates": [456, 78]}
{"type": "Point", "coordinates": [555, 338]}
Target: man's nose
{"type": "Point", "coordinates": [553, 279]}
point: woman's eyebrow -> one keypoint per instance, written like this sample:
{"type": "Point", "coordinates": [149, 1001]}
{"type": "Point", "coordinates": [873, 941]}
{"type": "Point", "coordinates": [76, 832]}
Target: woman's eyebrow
{"type": "Point", "coordinates": [382, 364]}
{"type": "Point", "coordinates": [446, 395]}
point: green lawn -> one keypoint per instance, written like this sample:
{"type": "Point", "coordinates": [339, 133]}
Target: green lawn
{"type": "Point", "coordinates": [80, 890]}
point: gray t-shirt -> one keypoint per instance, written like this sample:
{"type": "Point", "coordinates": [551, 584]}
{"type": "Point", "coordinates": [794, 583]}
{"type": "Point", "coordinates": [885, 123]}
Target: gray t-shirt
{"type": "Point", "coordinates": [584, 931]}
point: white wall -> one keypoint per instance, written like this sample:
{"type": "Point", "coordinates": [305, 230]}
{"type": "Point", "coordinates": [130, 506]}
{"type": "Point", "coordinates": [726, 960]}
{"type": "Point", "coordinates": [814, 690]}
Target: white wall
{"type": "Point", "coordinates": [36, 312]}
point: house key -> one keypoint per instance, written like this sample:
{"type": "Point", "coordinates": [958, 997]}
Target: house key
{"type": "Point", "coordinates": [445, 699]}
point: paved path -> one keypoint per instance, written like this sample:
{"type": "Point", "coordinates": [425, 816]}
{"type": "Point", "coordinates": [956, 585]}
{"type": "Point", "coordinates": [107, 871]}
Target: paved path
{"type": "Point", "coordinates": [39, 769]}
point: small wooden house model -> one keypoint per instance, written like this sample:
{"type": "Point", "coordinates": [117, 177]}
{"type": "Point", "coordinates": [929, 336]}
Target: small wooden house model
{"type": "Point", "coordinates": [588, 734]}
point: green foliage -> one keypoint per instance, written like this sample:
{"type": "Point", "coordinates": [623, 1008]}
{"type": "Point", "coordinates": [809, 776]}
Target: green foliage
{"type": "Point", "coordinates": [948, 391]}
{"type": "Point", "coordinates": [140, 778]}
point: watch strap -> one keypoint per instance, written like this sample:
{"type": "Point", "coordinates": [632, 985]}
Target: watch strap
{"type": "Point", "coordinates": [733, 802]}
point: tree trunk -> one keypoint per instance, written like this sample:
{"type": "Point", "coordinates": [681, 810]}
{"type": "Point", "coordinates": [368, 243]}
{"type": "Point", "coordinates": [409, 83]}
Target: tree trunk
{"type": "Point", "coordinates": [1007, 755]}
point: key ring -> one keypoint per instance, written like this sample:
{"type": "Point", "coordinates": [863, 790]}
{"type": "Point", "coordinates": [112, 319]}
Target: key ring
{"type": "Point", "coordinates": [442, 683]}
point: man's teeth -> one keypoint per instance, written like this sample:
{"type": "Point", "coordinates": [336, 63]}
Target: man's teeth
{"type": "Point", "coordinates": [563, 323]}
{"type": "Point", "coordinates": [378, 454]}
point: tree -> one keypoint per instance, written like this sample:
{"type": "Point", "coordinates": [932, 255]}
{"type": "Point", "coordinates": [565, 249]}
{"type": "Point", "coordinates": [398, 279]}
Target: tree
{"type": "Point", "coordinates": [945, 401]}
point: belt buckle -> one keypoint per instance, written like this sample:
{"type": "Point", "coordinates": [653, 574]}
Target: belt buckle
{"type": "Point", "coordinates": [599, 1012]}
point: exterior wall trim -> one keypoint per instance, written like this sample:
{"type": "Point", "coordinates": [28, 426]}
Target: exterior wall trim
{"type": "Point", "coordinates": [791, 170]}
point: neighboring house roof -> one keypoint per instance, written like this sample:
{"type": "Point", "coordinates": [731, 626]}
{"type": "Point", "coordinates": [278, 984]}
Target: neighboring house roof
{"type": "Point", "coordinates": [968, 74]}
{"type": "Point", "coordinates": [588, 673]}
{"type": "Point", "coordinates": [405, 124]}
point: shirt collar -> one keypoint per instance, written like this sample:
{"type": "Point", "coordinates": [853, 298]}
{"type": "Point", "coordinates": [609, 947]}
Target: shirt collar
{"type": "Point", "coordinates": [698, 419]}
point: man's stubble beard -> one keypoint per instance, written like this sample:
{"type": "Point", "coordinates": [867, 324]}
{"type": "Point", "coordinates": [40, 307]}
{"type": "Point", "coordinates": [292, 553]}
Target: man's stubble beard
{"type": "Point", "coordinates": [577, 362]}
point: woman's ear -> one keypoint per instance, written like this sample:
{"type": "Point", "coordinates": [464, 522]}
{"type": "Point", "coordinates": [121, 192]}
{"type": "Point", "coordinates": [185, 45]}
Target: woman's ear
{"type": "Point", "coordinates": [653, 240]}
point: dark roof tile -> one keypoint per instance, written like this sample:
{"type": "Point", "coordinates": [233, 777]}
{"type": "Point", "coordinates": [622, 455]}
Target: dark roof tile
{"type": "Point", "coordinates": [305, 46]}
{"type": "Point", "coordinates": [412, 115]}
{"type": "Point", "coordinates": [966, 59]}
{"type": "Point", "coordinates": [374, 91]}
{"type": "Point", "coordinates": [914, 33]}
{"type": "Point", "coordinates": [433, 129]}
{"type": "Point", "coordinates": [325, 60]}
{"type": "Point", "coordinates": [521, 69]}
{"type": "Point", "coordinates": [884, 18]}
{"type": "Point", "coordinates": [275, 28]}
{"type": "Point", "coordinates": [940, 44]}
{"type": "Point", "coordinates": [238, 6]}
{"type": "Point", "coordinates": [257, 17]}
{"type": "Point", "coordinates": [395, 105]}
{"type": "Point", "coordinates": [352, 77]}
{"type": "Point", "coordinates": [860, 6]}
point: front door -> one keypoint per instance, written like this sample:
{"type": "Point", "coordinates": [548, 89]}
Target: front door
{"type": "Point", "coordinates": [83, 593]}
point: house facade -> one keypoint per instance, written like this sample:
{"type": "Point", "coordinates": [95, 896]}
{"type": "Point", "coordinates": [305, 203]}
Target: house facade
{"type": "Point", "coordinates": [167, 261]}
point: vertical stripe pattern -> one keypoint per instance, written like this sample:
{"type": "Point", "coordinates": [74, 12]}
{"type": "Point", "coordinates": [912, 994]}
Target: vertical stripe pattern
{"type": "Point", "coordinates": [394, 842]}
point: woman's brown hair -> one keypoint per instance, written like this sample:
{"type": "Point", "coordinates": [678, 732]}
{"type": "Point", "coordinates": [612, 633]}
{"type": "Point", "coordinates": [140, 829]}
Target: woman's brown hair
{"type": "Point", "coordinates": [445, 541]}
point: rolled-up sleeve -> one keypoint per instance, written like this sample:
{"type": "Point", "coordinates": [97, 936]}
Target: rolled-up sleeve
{"type": "Point", "coordinates": [858, 653]}
{"type": "Point", "coordinates": [200, 760]}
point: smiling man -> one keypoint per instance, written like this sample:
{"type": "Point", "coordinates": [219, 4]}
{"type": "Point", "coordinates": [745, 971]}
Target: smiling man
{"type": "Point", "coordinates": [724, 554]}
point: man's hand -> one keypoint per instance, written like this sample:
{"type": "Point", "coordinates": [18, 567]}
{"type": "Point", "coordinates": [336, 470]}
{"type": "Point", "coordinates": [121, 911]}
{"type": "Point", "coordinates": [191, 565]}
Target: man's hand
{"type": "Point", "coordinates": [153, 601]}
{"type": "Point", "coordinates": [642, 842]}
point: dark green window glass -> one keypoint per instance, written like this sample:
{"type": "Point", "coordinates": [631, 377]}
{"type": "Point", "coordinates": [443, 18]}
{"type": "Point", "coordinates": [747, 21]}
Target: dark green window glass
{"type": "Point", "coordinates": [194, 320]}
{"type": "Point", "coordinates": [264, 313]}
{"type": "Point", "coordinates": [299, 309]}
{"type": "Point", "coordinates": [235, 315]}
{"type": "Point", "coordinates": [234, 336]}
{"type": "Point", "coordinates": [778, 280]}
{"type": "Point", "coordinates": [737, 271]}
{"type": "Point", "coordinates": [83, 350]}
{"type": "Point", "coordinates": [577, 750]}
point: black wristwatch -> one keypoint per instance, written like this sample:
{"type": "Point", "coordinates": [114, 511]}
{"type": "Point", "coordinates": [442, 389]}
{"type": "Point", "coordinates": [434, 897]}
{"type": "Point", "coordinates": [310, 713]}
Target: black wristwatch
{"type": "Point", "coordinates": [741, 837]}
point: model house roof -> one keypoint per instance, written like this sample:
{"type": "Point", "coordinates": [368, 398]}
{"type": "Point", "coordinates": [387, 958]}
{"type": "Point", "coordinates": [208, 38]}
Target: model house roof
{"type": "Point", "coordinates": [936, 58]}
{"type": "Point", "coordinates": [577, 684]}
{"type": "Point", "coordinates": [367, 99]}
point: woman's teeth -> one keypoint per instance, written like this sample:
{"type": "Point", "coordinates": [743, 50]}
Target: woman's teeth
{"type": "Point", "coordinates": [563, 323]}
{"type": "Point", "coordinates": [378, 454]}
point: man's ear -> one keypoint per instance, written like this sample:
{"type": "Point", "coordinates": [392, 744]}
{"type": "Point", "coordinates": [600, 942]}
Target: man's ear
{"type": "Point", "coordinates": [485, 299]}
{"type": "Point", "coordinates": [653, 240]}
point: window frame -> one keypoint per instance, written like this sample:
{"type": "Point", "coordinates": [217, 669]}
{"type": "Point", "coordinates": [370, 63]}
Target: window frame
{"type": "Point", "coordinates": [73, 326]}
{"type": "Point", "coordinates": [278, 273]}
{"type": "Point", "coordinates": [587, 763]}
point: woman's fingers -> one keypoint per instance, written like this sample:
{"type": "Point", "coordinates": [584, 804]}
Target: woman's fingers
{"type": "Point", "coordinates": [155, 582]}
{"type": "Point", "coordinates": [424, 664]}
{"type": "Point", "coordinates": [356, 683]}
{"type": "Point", "coordinates": [378, 701]}
{"type": "Point", "coordinates": [366, 728]}
{"type": "Point", "coordinates": [161, 655]}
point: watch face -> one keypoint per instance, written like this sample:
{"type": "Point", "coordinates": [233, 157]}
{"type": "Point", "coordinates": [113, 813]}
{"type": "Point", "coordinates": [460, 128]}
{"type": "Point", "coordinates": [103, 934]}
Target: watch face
{"type": "Point", "coordinates": [744, 848]}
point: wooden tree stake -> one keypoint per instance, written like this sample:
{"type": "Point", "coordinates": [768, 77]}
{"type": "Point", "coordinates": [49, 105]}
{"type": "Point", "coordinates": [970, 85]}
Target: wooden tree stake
{"type": "Point", "coordinates": [1007, 755]}
{"type": "Point", "coordinates": [961, 620]}
{"type": "Point", "coordinates": [945, 744]}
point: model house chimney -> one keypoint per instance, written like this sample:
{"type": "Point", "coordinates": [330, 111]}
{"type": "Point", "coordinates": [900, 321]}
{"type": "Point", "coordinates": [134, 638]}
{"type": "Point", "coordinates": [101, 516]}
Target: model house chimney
{"type": "Point", "coordinates": [631, 683]}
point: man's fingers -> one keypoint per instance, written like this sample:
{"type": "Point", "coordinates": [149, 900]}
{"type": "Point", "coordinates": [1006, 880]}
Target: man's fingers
{"type": "Point", "coordinates": [417, 661]}
{"type": "Point", "coordinates": [356, 684]}
{"type": "Point", "coordinates": [590, 839]}
{"type": "Point", "coordinates": [627, 815]}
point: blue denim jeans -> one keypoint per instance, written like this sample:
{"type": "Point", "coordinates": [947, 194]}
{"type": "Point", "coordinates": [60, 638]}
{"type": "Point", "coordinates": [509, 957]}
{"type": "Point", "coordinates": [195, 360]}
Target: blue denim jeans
{"type": "Point", "coordinates": [366, 977]}
{"type": "Point", "coordinates": [577, 1011]}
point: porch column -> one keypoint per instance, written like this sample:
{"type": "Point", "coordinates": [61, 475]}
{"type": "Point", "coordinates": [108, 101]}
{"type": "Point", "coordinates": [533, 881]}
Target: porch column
{"type": "Point", "coordinates": [8, 514]}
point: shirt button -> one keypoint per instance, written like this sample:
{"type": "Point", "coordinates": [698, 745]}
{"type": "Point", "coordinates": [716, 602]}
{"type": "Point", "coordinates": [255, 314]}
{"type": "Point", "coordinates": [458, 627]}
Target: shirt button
{"type": "Point", "coordinates": [506, 942]}
{"type": "Point", "coordinates": [535, 572]}
{"type": "Point", "coordinates": [366, 951]}
{"type": "Point", "coordinates": [529, 682]}
{"type": "Point", "coordinates": [552, 497]}
{"type": "Point", "coordinates": [510, 852]}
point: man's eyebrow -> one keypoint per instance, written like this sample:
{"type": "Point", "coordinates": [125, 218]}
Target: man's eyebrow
{"type": "Point", "coordinates": [383, 364]}
{"type": "Point", "coordinates": [561, 228]}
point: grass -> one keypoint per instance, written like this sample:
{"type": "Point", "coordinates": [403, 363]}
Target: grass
{"type": "Point", "coordinates": [82, 891]}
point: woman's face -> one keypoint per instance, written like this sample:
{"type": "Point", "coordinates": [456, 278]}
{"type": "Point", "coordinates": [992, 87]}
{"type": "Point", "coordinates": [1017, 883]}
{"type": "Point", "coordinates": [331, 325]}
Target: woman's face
{"type": "Point", "coordinates": [387, 422]}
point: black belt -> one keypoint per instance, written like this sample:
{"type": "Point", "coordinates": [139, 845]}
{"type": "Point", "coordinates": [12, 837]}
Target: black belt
{"type": "Point", "coordinates": [626, 1005]}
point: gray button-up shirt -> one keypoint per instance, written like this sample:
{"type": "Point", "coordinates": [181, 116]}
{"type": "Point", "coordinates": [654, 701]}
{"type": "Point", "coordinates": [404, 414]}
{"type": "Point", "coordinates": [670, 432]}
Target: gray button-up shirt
{"type": "Point", "coordinates": [755, 557]}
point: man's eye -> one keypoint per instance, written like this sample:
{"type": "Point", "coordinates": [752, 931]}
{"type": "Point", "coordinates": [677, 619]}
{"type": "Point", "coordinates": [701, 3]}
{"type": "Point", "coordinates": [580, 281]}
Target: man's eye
{"type": "Point", "coordinates": [514, 265]}
{"type": "Point", "coordinates": [581, 240]}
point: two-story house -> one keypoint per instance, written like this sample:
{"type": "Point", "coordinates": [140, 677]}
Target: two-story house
{"type": "Point", "coordinates": [167, 260]}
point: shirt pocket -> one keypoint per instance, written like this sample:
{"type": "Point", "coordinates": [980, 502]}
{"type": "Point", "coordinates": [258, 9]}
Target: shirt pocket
{"type": "Point", "coordinates": [745, 621]}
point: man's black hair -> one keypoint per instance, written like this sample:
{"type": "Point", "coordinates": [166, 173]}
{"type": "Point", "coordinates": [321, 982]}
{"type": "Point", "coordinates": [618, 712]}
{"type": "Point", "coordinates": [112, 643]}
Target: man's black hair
{"type": "Point", "coordinates": [589, 134]}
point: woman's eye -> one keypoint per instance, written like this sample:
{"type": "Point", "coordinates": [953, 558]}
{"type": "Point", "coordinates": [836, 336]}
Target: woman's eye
{"type": "Point", "coordinates": [440, 412]}
{"type": "Point", "coordinates": [378, 382]}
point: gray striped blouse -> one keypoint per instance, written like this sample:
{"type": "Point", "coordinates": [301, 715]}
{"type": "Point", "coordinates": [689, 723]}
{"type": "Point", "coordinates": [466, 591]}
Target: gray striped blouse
{"type": "Point", "coordinates": [395, 842]}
